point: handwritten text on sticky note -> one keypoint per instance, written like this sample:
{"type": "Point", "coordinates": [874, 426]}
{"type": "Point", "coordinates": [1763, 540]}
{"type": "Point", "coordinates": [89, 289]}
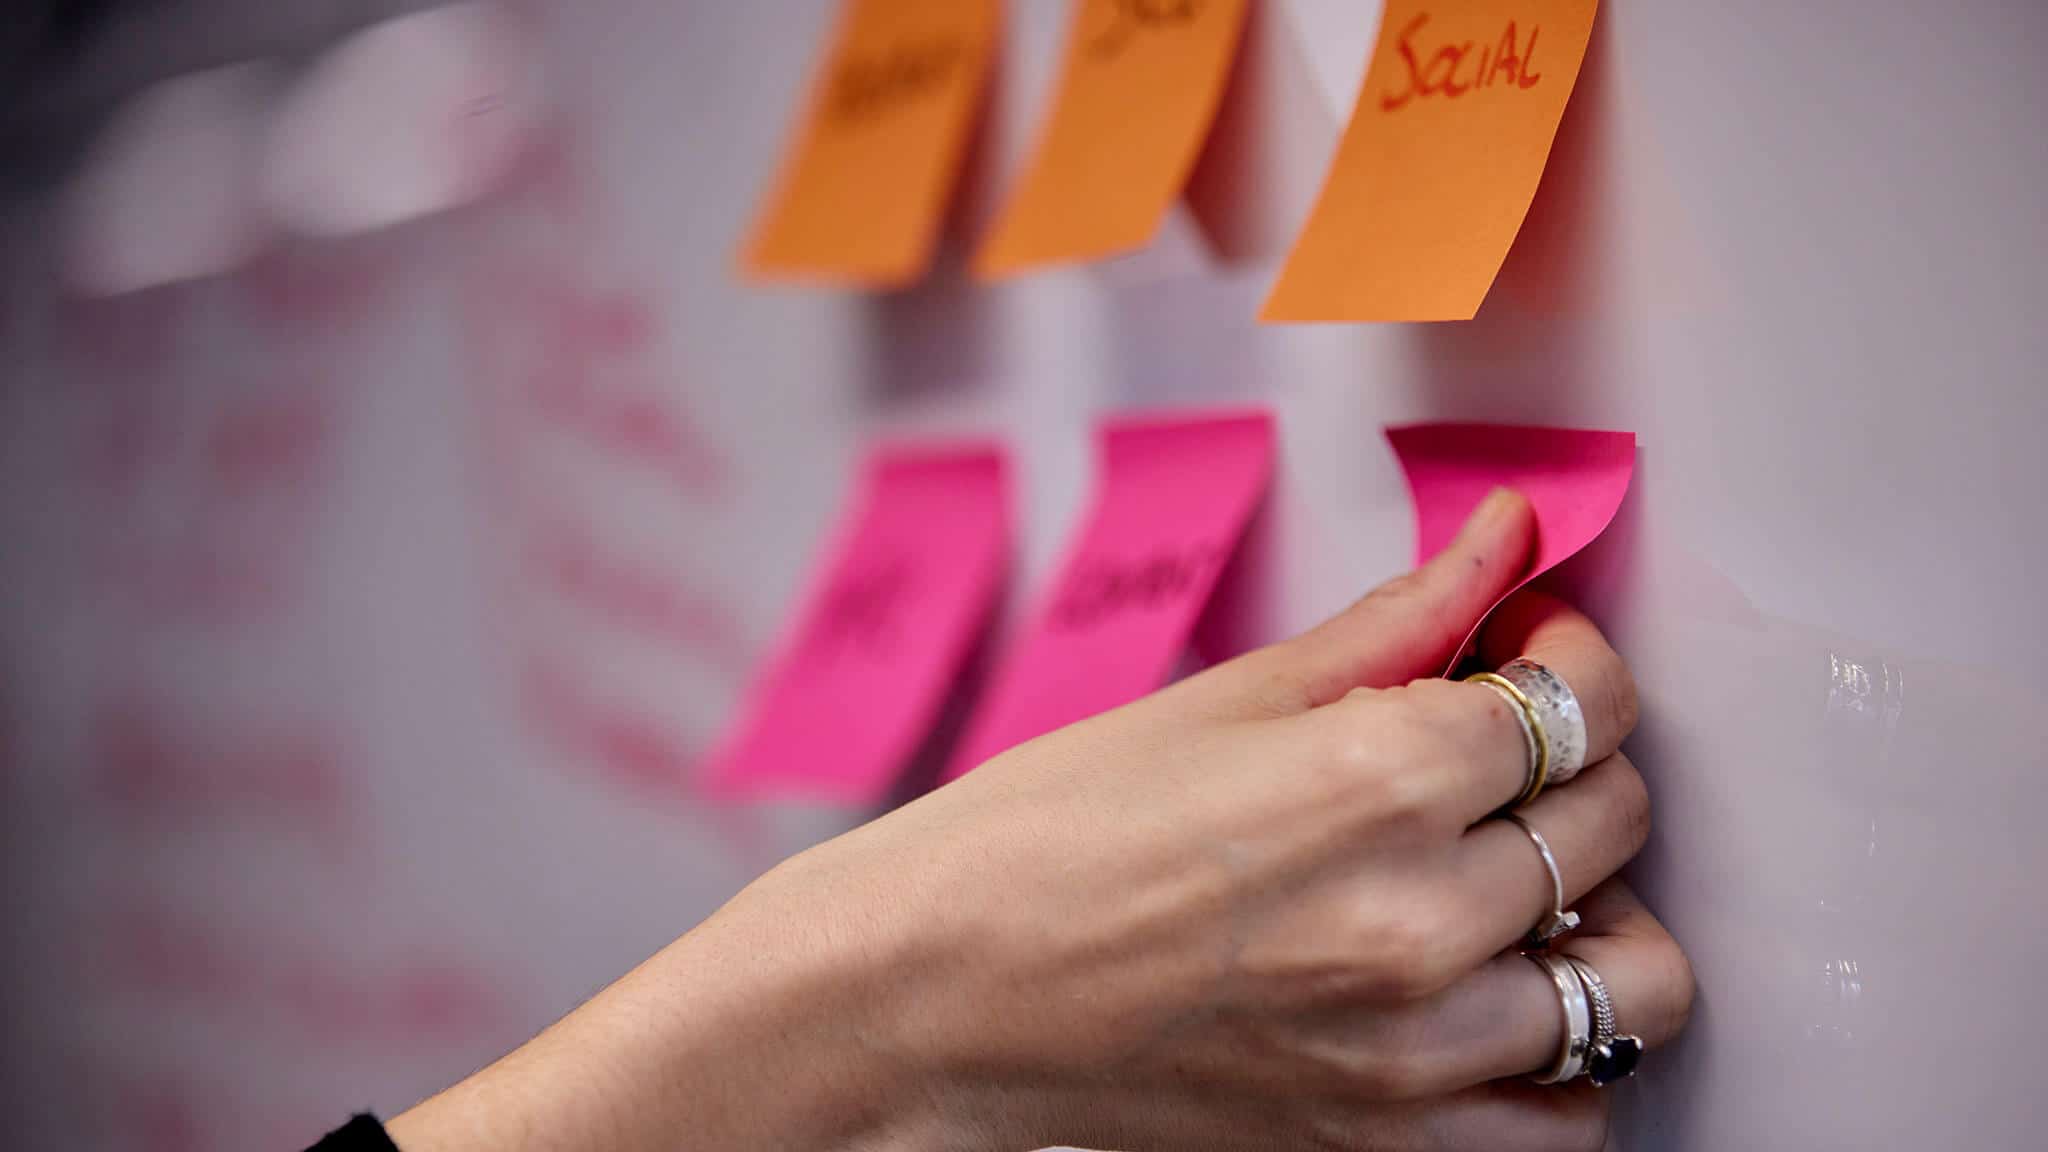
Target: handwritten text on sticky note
{"type": "Point", "coordinates": [864, 187]}
{"type": "Point", "coordinates": [881, 636]}
{"type": "Point", "coordinates": [1172, 499]}
{"type": "Point", "coordinates": [1139, 89]}
{"type": "Point", "coordinates": [1439, 163]}
{"type": "Point", "coordinates": [1507, 62]}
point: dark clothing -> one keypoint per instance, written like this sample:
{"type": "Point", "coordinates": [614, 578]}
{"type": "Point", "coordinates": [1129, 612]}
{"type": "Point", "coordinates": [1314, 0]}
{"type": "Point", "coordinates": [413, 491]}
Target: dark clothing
{"type": "Point", "coordinates": [361, 1134]}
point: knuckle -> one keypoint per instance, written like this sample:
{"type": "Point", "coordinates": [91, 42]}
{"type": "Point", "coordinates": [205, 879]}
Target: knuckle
{"type": "Point", "coordinates": [1410, 801]}
{"type": "Point", "coordinates": [1353, 747]}
{"type": "Point", "coordinates": [1389, 769]}
{"type": "Point", "coordinates": [1405, 958]}
{"type": "Point", "coordinates": [1680, 987]}
{"type": "Point", "coordinates": [1631, 804]}
{"type": "Point", "coordinates": [1623, 704]}
{"type": "Point", "coordinates": [1401, 807]}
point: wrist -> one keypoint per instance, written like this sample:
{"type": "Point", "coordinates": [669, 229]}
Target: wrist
{"type": "Point", "coordinates": [773, 1025]}
{"type": "Point", "coordinates": [789, 1020]}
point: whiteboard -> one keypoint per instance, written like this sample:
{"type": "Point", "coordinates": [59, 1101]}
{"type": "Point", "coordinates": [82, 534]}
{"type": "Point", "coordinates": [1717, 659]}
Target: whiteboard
{"type": "Point", "coordinates": [344, 676]}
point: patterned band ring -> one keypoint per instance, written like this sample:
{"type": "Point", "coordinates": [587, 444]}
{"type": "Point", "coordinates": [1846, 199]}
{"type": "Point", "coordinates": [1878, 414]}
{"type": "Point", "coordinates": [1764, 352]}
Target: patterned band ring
{"type": "Point", "coordinates": [1557, 716]}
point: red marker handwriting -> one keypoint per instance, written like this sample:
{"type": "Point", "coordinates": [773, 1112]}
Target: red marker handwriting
{"type": "Point", "coordinates": [1443, 72]}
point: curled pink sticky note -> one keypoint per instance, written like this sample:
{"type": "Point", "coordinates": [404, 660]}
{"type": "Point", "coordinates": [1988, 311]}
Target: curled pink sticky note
{"type": "Point", "coordinates": [882, 632]}
{"type": "Point", "coordinates": [1173, 498]}
{"type": "Point", "coordinates": [1574, 477]}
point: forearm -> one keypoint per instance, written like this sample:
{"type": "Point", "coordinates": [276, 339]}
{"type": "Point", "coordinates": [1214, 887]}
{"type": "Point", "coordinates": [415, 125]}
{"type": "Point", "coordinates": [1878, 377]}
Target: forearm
{"type": "Point", "coordinates": [752, 1032]}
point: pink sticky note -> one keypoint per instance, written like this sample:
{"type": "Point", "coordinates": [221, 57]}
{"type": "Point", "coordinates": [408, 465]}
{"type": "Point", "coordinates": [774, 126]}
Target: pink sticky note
{"type": "Point", "coordinates": [882, 632]}
{"type": "Point", "coordinates": [1173, 499]}
{"type": "Point", "coordinates": [1576, 479]}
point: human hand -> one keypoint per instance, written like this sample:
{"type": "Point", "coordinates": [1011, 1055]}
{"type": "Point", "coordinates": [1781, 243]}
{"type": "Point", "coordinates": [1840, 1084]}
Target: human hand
{"type": "Point", "coordinates": [1266, 907]}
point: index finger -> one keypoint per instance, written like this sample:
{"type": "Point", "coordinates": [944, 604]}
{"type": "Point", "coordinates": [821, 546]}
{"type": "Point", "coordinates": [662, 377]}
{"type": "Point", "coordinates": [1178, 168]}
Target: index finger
{"type": "Point", "coordinates": [1540, 627]}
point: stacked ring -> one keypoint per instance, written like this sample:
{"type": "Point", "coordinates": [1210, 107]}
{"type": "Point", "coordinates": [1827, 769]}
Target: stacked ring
{"type": "Point", "coordinates": [1590, 1046]}
{"type": "Point", "coordinates": [1578, 1018]}
{"type": "Point", "coordinates": [1535, 740]}
{"type": "Point", "coordinates": [1610, 1057]}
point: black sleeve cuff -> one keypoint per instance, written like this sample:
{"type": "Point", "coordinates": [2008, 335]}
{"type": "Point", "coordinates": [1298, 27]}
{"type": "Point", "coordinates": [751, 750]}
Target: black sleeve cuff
{"type": "Point", "coordinates": [361, 1134]}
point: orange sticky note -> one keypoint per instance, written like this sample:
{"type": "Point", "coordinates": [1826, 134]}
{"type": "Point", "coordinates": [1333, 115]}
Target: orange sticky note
{"type": "Point", "coordinates": [1439, 163]}
{"type": "Point", "coordinates": [864, 187]}
{"type": "Point", "coordinates": [1137, 94]}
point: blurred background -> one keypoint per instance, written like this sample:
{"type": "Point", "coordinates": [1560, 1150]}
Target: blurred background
{"type": "Point", "coordinates": [398, 486]}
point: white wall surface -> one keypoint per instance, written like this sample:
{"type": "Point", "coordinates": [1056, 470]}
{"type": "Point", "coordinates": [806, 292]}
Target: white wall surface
{"type": "Point", "coordinates": [320, 790]}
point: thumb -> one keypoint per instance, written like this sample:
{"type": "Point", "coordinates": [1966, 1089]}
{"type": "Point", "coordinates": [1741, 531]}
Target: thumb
{"type": "Point", "coordinates": [1407, 628]}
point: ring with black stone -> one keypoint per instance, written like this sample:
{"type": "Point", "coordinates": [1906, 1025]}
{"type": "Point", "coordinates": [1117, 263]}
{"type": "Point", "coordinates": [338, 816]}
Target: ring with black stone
{"type": "Point", "coordinates": [1610, 1057]}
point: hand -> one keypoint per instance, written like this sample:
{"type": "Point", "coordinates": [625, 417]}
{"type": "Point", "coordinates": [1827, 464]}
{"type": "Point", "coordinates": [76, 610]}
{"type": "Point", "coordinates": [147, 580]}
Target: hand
{"type": "Point", "coordinates": [1266, 907]}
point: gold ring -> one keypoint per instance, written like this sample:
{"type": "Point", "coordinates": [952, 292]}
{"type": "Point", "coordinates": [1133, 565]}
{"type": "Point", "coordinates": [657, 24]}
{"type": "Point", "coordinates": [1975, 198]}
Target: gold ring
{"type": "Point", "coordinates": [1532, 728]}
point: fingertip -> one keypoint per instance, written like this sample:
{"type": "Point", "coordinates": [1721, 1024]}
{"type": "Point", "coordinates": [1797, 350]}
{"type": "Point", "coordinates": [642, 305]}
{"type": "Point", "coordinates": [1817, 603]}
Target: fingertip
{"type": "Point", "coordinates": [1410, 626]}
{"type": "Point", "coordinates": [1647, 971]}
{"type": "Point", "coordinates": [1503, 524]}
{"type": "Point", "coordinates": [1490, 553]}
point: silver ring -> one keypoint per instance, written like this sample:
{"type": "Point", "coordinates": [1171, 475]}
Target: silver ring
{"type": "Point", "coordinates": [1558, 714]}
{"type": "Point", "coordinates": [1610, 1057]}
{"type": "Point", "coordinates": [1559, 921]}
{"type": "Point", "coordinates": [1578, 1018]}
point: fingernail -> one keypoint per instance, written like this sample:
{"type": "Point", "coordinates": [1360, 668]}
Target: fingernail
{"type": "Point", "coordinates": [1491, 511]}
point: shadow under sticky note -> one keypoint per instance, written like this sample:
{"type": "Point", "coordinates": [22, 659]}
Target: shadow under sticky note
{"type": "Point", "coordinates": [1172, 501]}
{"type": "Point", "coordinates": [863, 190]}
{"type": "Point", "coordinates": [1575, 479]}
{"type": "Point", "coordinates": [1445, 148]}
{"type": "Point", "coordinates": [882, 633]}
{"type": "Point", "coordinates": [1137, 93]}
